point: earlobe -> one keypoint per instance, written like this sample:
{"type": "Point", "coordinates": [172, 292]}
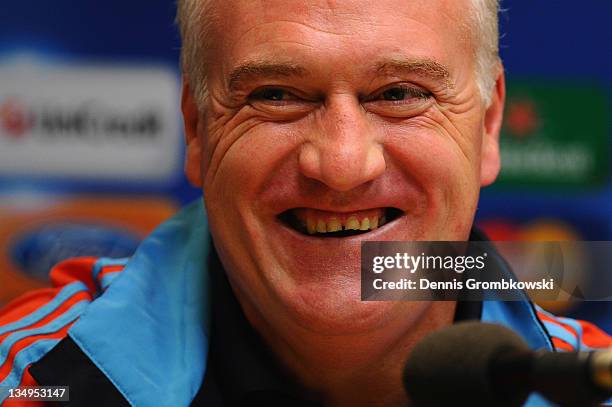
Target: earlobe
{"type": "Point", "coordinates": [193, 142]}
{"type": "Point", "coordinates": [491, 161]}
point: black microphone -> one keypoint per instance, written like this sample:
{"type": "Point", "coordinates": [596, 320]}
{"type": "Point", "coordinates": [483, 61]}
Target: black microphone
{"type": "Point", "coordinates": [481, 364]}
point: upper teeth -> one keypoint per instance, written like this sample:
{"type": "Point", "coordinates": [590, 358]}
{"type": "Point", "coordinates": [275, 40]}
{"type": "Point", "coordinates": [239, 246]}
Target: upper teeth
{"type": "Point", "coordinates": [314, 225]}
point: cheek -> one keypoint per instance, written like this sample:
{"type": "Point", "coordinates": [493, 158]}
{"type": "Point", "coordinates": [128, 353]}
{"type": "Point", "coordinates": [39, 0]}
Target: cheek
{"type": "Point", "coordinates": [245, 159]}
{"type": "Point", "coordinates": [443, 159]}
{"type": "Point", "coordinates": [438, 155]}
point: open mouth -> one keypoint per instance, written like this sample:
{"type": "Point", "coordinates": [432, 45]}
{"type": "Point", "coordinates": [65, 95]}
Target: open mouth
{"type": "Point", "coordinates": [314, 222]}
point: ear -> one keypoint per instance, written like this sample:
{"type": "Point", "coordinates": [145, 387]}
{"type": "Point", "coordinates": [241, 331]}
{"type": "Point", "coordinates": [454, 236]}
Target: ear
{"type": "Point", "coordinates": [193, 141]}
{"type": "Point", "coordinates": [490, 160]}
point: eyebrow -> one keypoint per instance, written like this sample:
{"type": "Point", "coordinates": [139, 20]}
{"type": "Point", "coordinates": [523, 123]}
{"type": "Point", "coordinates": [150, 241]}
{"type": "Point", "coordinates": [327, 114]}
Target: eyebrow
{"type": "Point", "coordinates": [266, 69]}
{"type": "Point", "coordinates": [263, 69]}
{"type": "Point", "coordinates": [423, 67]}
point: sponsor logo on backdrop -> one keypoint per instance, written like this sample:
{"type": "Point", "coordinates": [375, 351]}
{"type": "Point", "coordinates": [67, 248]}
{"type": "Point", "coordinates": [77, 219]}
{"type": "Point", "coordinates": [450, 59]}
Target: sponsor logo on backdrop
{"type": "Point", "coordinates": [543, 144]}
{"type": "Point", "coordinates": [92, 122]}
{"type": "Point", "coordinates": [101, 122]}
{"type": "Point", "coordinates": [37, 231]}
{"type": "Point", "coordinates": [37, 251]}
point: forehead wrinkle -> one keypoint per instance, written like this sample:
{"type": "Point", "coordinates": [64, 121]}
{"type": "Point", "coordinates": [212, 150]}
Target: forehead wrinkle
{"type": "Point", "coordinates": [264, 69]}
{"type": "Point", "coordinates": [424, 67]}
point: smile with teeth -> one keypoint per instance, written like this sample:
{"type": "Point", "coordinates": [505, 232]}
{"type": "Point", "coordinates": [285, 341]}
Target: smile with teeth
{"type": "Point", "coordinates": [313, 221]}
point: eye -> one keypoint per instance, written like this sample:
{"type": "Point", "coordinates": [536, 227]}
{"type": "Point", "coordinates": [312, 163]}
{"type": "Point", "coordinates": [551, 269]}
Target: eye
{"type": "Point", "coordinates": [279, 103]}
{"type": "Point", "coordinates": [394, 94]}
{"type": "Point", "coordinates": [272, 95]}
{"type": "Point", "coordinates": [399, 101]}
{"type": "Point", "coordinates": [398, 93]}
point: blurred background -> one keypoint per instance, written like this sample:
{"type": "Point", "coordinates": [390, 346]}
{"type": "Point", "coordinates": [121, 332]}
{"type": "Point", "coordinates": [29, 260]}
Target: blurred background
{"type": "Point", "coordinates": [91, 141]}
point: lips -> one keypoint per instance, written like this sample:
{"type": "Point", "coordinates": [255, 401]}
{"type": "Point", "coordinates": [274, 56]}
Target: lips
{"type": "Point", "coordinates": [320, 223]}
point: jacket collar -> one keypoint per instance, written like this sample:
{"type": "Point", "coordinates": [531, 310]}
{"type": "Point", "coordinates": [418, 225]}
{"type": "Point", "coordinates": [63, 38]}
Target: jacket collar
{"type": "Point", "coordinates": [148, 333]}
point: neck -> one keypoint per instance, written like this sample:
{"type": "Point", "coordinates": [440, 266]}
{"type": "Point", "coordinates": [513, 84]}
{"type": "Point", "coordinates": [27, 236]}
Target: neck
{"type": "Point", "coordinates": [359, 369]}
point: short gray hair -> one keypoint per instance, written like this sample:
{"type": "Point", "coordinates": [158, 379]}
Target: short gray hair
{"type": "Point", "coordinates": [194, 21]}
{"type": "Point", "coordinates": [485, 18]}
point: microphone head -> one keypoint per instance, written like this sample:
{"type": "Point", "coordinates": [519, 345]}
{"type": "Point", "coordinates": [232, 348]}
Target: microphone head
{"type": "Point", "coordinates": [451, 366]}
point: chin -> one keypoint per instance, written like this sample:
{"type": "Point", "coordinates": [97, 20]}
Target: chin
{"type": "Point", "coordinates": [340, 311]}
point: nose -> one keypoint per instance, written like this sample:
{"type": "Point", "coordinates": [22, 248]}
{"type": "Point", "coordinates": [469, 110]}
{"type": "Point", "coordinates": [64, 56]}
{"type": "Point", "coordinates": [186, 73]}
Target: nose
{"type": "Point", "coordinates": [343, 152]}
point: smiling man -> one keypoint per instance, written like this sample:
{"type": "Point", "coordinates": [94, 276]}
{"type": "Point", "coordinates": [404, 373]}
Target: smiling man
{"type": "Point", "coordinates": [311, 126]}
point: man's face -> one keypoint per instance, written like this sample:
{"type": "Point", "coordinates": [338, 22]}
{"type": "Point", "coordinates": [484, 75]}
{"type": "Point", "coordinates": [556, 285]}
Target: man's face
{"type": "Point", "coordinates": [325, 116]}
